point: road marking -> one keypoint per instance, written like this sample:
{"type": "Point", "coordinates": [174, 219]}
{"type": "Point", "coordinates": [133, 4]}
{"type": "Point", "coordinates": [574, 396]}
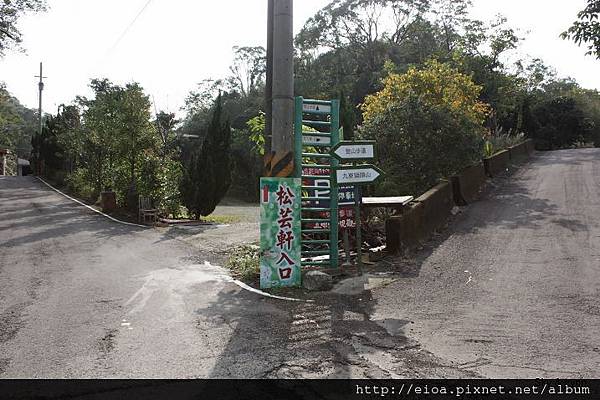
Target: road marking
{"type": "Point", "coordinates": [91, 208]}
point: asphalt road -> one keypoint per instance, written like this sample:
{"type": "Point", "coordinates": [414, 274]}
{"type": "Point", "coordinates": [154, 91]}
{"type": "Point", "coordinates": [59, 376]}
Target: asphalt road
{"type": "Point", "coordinates": [511, 289]}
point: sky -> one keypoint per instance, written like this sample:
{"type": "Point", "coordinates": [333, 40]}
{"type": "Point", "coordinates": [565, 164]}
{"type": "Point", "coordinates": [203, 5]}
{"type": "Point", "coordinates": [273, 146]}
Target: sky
{"type": "Point", "coordinates": [174, 44]}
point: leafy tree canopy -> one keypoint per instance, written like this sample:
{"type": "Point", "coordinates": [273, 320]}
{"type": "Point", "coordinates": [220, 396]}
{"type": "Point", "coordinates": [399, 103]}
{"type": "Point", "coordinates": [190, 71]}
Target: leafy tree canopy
{"type": "Point", "coordinates": [587, 28]}
{"type": "Point", "coordinates": [10, 12]}
{"type": "Point", "coordinates": [435, 84]}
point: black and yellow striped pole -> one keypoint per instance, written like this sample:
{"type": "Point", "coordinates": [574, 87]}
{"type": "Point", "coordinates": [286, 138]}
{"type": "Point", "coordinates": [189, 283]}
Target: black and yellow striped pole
{"type": "Point", "coordinates": [279, 161]}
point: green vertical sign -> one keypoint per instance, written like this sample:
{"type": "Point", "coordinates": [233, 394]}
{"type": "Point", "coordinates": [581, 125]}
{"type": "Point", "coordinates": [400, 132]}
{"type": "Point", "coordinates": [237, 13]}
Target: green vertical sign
{"type": "Point", "coordinates": [280, 228]}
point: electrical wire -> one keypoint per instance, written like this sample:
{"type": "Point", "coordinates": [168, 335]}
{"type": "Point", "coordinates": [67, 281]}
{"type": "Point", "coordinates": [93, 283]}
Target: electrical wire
{"type": "Point", "coordinates": [114, 46]}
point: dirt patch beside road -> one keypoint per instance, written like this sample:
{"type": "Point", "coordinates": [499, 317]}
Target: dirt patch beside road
{"type": "Point", "coordinates": [221, 238]}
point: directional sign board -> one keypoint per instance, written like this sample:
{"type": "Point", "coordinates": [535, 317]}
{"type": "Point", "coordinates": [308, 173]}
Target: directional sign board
{"type": "Point", "coordinates": [357, 174]}
{"type": "Point", "coordinates": [311, 140]}
{"type": "Point", "coordinates": [359, 150]}
{"type": "Point", "coordinates": [316, 108]}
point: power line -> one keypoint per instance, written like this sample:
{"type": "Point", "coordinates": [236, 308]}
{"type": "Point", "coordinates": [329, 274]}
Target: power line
{"type": "Point", "coordinates": [114, 46]}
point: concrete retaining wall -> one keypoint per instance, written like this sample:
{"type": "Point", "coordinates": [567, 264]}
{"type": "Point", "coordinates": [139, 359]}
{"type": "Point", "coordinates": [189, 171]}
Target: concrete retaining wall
{"type": "Point", "coordinates": [431, 211]}
{"type": "Point", "coordinates": [497, 163]}
{"type": "Point", "coordinates": [427, 214]}
{"type": "Point", "coordinates": [518, 152]}
{"type": "Point", "coordinates": [530, 146]}
{"type": "Point", "coordinates": [467, 184]}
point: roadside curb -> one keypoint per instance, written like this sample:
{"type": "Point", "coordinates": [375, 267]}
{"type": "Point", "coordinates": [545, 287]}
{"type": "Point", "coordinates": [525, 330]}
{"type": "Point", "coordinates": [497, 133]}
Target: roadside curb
{"type": "Point", "coordinates": [235, 281]}
{"type": "Point", "coordinates": [272, 296]}
{"type": "Point", "coordinates": [90, 207]}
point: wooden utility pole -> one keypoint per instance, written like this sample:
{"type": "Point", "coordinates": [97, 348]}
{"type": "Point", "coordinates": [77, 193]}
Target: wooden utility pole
{"type": "Point", "coordinates": [280, 162]}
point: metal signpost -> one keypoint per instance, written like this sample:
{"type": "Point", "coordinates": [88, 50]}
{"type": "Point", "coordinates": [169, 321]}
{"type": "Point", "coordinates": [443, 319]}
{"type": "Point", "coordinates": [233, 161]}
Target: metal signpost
{"type": "Point", "coordinates": [318, 199]}
{"type": "Point", "coordinates": [356, 175]}
{"type": "Point", "coordinates": [326, 185]}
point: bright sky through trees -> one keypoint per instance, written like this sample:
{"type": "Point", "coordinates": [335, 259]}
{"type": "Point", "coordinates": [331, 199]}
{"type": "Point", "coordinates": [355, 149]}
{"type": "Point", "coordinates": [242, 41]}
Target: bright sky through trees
{"type": "Point", "coordinates": [175, 44]}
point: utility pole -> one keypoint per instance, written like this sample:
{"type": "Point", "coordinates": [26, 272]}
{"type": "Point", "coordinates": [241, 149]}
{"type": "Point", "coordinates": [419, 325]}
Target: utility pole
{"type": "Point", "coordinates": [281, 160]}
{"type": "Point", "coordinates": [41, 89]}
{"type": "Point", "coordinates": [269, 80]}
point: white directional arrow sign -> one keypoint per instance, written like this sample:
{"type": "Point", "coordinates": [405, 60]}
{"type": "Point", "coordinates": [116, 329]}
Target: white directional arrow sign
{"type": "Point", "coordinates": [316, 108]}
{"type": "Point", "coordinates": [315, 140]}
{"type": "Point", "coordinates": [357, 174]}
{"type": "Point", "coordinates": [359, 150]}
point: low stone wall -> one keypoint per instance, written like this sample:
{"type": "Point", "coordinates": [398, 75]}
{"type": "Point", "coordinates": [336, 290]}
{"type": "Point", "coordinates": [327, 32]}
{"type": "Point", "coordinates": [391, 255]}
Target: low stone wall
{"type": "Point", "coordinates": [467, 184]}
{"type": "Point", "coordinates": [427, 214]}
{"type": "Point", "coordinates": [497, 163]}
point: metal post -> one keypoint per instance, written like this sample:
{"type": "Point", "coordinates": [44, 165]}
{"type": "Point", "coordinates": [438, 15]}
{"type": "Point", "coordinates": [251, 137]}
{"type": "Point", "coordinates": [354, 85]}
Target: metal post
{"type": "Point", "coordinates": [282, 143]}
{"type": "Point", "coordinates": [357, 199]}
{"type": "Point", "coordinates": [298, 137]}
{"type": "Point", "coordinates": [335, 139]}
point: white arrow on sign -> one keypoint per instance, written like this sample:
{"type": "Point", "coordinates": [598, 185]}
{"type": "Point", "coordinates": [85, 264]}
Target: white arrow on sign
{"type": "Point", "coordinates": [320, 108]}
{"type": "Point", "coordinates": [357, 174]}
{"type": "Point", "coordinates": [364, 150]}
{"type": "Point", "coordinates": [310, 139]}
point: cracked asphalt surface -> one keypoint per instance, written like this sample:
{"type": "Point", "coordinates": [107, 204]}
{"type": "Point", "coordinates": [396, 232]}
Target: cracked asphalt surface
{"type": "Point", "coordinates": [511, 289]}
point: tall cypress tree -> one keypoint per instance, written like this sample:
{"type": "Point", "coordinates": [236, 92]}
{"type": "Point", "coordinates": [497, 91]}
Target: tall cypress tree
{"type": "Point", "coordinates": [207, 176]}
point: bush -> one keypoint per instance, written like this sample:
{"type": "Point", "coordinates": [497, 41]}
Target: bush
{"type": "Point", "coordinates": [559, 123]}
{"type": "Point", "coordinates": [419, 143]}
{"type": "Point", "coordinates": [244, 262]}
{"type": "Point", "coordinates": [78, 183]}
{"type": "Point", "coordinates": [498, 141]}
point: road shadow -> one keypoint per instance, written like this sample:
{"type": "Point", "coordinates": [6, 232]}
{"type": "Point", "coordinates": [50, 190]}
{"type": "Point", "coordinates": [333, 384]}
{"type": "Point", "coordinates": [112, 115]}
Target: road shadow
{"type": "Point", "coordinates": [333, 337]}
{"type": "Point", "coordinates": [272, 338]}
{"type": "Point", "coordinates": [176, 232]}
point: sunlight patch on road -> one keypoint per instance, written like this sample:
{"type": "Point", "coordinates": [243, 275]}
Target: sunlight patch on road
{"type": "Point", "coordinates": [172, 284]}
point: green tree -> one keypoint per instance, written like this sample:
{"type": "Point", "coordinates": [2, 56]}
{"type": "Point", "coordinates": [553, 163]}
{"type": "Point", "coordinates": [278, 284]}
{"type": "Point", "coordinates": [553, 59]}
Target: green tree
{"type": "Point", "coordinates": [118, 136]}
{"type": "Point", "coordinates": [560, 122]}
{"type": "Point", "coordinates": [427, 124]}
{"type": "Point", "coordinates": [247, 71]}
{"type": "Point", "coordinates": [17, 123]}
{"type": "Point", "coordinates": [587, 28]}
{"type": "Point", "coordinates": [135, 131]}
{"type": "Point", "coordinates": [166, 124]}
{"type": "Point", "coordinates": [207, 175]}
{"type": "Point", "coordinates": [10, 12]}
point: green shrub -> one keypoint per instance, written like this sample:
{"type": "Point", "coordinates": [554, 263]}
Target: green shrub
{"type": "Point", "coordinates": [244, 262]}
{"type": "Point", "coordinates": [78, 183]}
{"type": "Point", "coordinates": [498, 140]}
{"type": "Point", "coordinates": [418, 143]}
